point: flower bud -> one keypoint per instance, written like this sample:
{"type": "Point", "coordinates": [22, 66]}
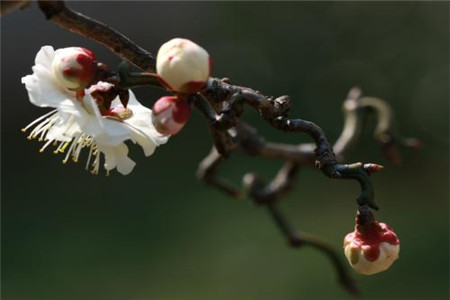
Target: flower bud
{"type": "Point", "coordinates": [371, 248]}
{"type": "Point", "coordinates": [183, 66]}
{"type": "Point", "coordinates": [74, 68]}
{"type": "Point", "coordinates": [170, 114]}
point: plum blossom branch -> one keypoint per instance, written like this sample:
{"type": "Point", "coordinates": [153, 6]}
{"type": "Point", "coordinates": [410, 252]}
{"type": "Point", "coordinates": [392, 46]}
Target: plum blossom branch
{"type": "Point", "coordinates": [223, 104]}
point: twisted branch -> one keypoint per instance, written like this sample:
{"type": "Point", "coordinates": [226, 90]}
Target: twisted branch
{"type": "Point", "coordinates": [222, 104]}
{"type": "Point", "coordinates": [297, 240]}
{"type": "Point", "coordinates": [356, 108]}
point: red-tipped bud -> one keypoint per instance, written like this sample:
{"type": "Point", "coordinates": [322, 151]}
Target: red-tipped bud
{"type": "Point", "coordinates": [183, 66]}
{"type": "Point", "coordinates": [170, 113]}
{"type": "Point", "coordinates": [74, 68]}
{"type": "Point", "coordinates": [371, 248]}
{"type": "Point", "coordinates": [372, 168]}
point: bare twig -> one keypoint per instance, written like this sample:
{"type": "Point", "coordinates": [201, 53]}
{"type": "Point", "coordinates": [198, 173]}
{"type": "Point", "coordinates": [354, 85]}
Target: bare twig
{"type": "Point", "coordinates": [274, 111]}
{"type": "Point", "coordinates": [208, 172]}
{"type": "Point", "coordinates": [278, 187]}
{"type": "Point", "coordinates": [356, 108]}
{"type": "Point", "coordinates": [10, 6]}
{"type": "Point", "coordinates": [297, 240]}
{"type": "Point", "coordinates": [222, 104]}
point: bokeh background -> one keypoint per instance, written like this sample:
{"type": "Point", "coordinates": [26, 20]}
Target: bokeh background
{"type": "Point", "coordinates": [159, 233]}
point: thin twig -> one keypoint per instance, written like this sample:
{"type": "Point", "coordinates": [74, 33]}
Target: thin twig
{"type": "Point", "coordinates": [222, 104]}
{"type": "Point", "coordinates": [297, 240]}
{"type": "Point", "coordinates": [7, 7]}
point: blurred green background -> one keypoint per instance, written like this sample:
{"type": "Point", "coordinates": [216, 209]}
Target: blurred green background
{"type": "Point", "coordinates": [161, 234]}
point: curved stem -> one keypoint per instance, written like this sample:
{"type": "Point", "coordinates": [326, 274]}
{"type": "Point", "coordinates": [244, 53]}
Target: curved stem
{"type": "Point", "coordinates": [356, 108]}
{"type": "Point", "coordinates": [357, 172]}
{"type": "Point", "coordinates": [223, 107]}
{"type": "Point", "coordinates": [354, 119]}
{"type": "Point", "coordinates": [298, 240]}
{"type": "Point", "coordinates": [274, 111]}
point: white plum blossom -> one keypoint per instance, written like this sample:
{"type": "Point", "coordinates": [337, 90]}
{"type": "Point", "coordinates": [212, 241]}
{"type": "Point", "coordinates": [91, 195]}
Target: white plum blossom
{"type": "Point", "coordinates": [183, 66]}
{"type": "Point", "coordinates": [77, 123]}
{"type": "Point", "coordinates": [372, 248]}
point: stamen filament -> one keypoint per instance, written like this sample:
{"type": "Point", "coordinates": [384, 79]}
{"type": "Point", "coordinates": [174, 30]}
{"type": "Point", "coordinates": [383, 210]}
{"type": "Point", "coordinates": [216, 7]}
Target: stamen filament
{"type": "Point", "coordinates": [39, 119]}
{"type": "Point", "coordinates": [64, 147]}
{"type": "Point", "coordinates": [57, 150]}
{"type": "Point", "coordinates": [45, 145]}
{"type": "Point", "coordinates": [96, 164]}
{"type": "Point", "coordinates": [89, 158]}
{"type": "Point", "coordinates": [38, 129]}
{"type": "Point", "coordinates": [70, 149]}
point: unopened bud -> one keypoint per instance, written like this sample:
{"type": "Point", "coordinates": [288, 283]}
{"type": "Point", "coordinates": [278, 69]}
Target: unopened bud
{"type": "Point", "coordinates": [74, 68]}
{"type": "Point", "coordinates": [371, 248]}
{"type": "Point", "coordinates": [372, 168]}
{"type": "Point", "coordinates": [183, 66]}
{"type": "Point", "coordinates": [170, 114]}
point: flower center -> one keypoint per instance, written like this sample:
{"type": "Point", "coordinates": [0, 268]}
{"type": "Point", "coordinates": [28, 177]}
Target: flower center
{"type": "Point", "coordinates": [118, 113]}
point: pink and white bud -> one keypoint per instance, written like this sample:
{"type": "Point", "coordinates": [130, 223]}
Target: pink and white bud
{"type": "Point", "coordinates": [371, 248]}
{"type": "Point", "coordinates": [74, 68]}
{"type": "Point", "coordinates": [183, 66]}
{"type": "Point", "coordinates": [170, 114]}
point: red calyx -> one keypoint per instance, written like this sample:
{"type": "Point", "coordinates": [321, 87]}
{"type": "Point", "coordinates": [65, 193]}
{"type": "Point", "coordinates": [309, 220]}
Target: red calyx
{"type": "Point", "coordinates": [181, 111]}
{"type": "Point", "coordinates": [370, 236]}
{"type": "Point", "coordinates": [192, 87]}
{"type": "Point", "coordinates": [211, 65]}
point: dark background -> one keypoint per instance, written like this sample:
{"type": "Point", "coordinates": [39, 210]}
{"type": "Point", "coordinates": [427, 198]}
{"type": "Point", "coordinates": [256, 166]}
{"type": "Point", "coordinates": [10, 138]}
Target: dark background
{"type": "Point", "coordinates": [159, 233]}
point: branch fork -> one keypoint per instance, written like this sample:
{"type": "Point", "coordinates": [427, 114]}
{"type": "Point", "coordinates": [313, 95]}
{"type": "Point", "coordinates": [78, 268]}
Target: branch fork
{"type": "Point", "coordinates": [223, 104]}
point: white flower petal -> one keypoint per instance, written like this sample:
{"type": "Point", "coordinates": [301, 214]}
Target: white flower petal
{"type": "Point", "coordinates": [147, 144]}
{"type": "Point", "coordinates": [78, 125]}
{"type": "Point", "coordinates": [45, 56]}
{"type": "Point", "coordinates": [117, 157]}
{"type": "Point", "coordinates": [42, 88]}
{"type": "Point", "coordinates": [92, 109]}
{"type": "Point", "coordinates": [124, 164]}
{"type": "Point", "coordinates": [142, 120]}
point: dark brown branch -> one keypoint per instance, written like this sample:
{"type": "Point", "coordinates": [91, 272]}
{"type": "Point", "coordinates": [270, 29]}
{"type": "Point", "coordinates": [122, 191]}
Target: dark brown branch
{"type": "Point", "coordinates": [223, 105]}
{"type": "Point", "coordinates": [57, 12]}
{"type": "Point", "coordinates": [208, 172]}
{"type": "Point", "coordinates": [278, 187]}
{"type": "Point", "coordinates": [299, 240]}
{"type": "Point", "coordinates": [356, 108]}
{"type": "Point", "coordinates": [253, 144]}
{"type": "Point", "coordinates": [10, 6]}
{"type": "Point", "coordinates": [274, 111]}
